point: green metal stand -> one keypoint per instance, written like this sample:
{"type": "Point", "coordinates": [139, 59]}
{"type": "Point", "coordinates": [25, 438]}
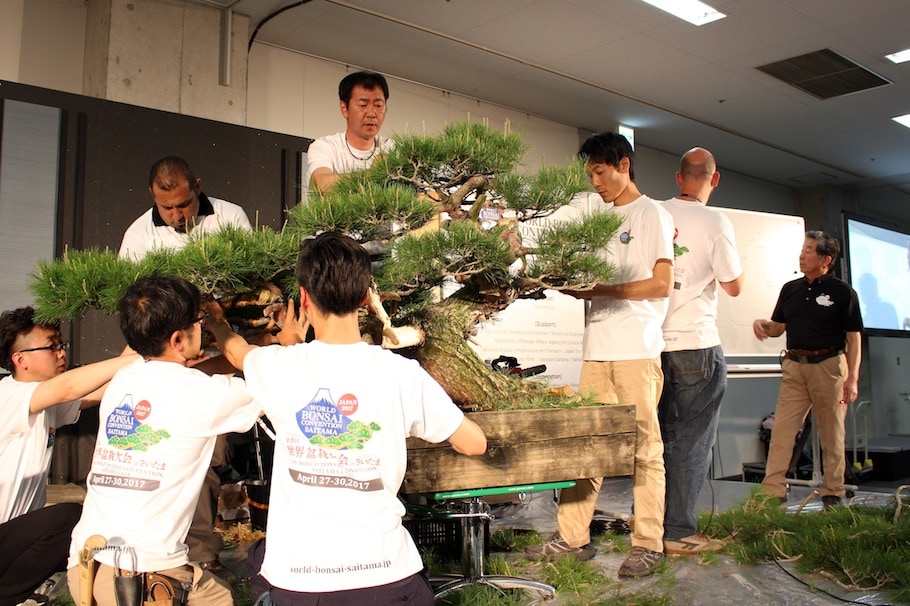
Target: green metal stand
{"type": "Point", "coordinates": [475, 512]}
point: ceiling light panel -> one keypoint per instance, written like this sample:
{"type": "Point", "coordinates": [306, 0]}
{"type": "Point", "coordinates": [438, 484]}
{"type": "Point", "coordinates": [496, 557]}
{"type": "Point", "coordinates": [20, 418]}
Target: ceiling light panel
{"type": "Point", "coordinates": [693, 11]}
{"type": "Point", "coordinates": [899, 56]}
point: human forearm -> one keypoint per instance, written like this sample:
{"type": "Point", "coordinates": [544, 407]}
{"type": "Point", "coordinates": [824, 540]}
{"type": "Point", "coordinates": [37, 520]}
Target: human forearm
{"type": "Point", "coordinates": [767, 328]}
{"type": "Point", "coordinates": [232, 346]}
{"type": "Point", "coordinates": [854, 356]}
{"type": "Point", "coordinates": [658, 286]}
{"type": "Point", "coordinates": [77, 383]}
{"type": "Point", "coordinates": [323, 179]}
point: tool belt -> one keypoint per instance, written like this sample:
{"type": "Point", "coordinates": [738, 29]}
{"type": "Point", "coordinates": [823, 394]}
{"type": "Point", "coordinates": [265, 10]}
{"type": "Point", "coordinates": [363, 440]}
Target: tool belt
{"type": "Point", "coordinates": [149, 588]}
{"type": "Point", "coordinates": [811, 356]}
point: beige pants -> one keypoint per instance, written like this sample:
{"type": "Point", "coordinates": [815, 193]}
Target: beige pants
{"type": "Point", "coordinates": [637, 382]}
{"type": "Point", "coordinates": [818, 387]}
{"type": "Point", "coordinates": [207, 590]}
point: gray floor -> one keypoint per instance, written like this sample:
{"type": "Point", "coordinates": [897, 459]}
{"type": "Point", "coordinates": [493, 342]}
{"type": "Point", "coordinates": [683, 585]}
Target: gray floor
{"type": "Point", "coordinates": [722, 582]}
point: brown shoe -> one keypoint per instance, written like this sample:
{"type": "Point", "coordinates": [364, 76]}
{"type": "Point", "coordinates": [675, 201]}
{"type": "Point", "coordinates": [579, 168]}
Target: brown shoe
{"type": "Point", "coordinates": [697, 543]}
{"type": "Point", "coordinates": [555, 547]}
{"type": "Point", "coordinates": [640, 562]}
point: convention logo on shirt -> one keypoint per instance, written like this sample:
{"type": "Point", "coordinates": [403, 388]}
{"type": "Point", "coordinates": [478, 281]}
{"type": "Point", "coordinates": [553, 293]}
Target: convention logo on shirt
{"type": "Point", "coordinates": [824, 300]}
{"type": "Point", "coordinates": [677, 249]}
{"type": "Point", "coordinates": [125, 430]}
{"type": "Point", "coordinates": [327, 423]}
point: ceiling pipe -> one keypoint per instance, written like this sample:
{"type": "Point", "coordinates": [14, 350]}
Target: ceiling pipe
{"type": "Point", "coordinates": [224, 52]}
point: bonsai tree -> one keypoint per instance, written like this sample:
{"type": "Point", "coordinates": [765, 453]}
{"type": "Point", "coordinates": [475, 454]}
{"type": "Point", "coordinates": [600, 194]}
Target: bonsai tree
{"type": "Point", "coordinates": [419, 211]}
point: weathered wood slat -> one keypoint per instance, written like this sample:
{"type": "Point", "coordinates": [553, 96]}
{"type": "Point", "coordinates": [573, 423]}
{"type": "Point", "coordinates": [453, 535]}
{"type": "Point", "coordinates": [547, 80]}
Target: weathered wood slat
{"type": "Point", "coordinates": [530, 446]}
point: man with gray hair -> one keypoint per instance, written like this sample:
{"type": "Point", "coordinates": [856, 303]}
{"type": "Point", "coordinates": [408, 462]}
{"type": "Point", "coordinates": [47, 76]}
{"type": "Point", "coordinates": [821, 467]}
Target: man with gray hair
{"type": "Point", "coordinates": [820, 367]}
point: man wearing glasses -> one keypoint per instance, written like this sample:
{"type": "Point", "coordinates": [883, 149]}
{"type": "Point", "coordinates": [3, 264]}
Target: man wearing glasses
{"type": "Point", "coordinates": [159, 421]}
{"type": "Point", "coordinates": [38, 397]}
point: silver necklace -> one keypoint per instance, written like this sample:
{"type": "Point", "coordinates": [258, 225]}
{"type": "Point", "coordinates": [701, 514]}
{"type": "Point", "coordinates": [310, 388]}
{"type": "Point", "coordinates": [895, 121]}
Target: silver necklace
{"type": "Point", "coordinates": [355, 156]}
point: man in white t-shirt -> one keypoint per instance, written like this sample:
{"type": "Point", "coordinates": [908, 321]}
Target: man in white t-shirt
{"type": "Point", "coordinates": [179, 210]}
{"type": "Point", "coordinates": [695, 372]}
{"type": "Point", "coordinates": [342, 410]}
{"type": "Point", "coordinates": [362, 99]}
{"type": "Point", "coordinates": [35, 400]}
{"type": "Point", "coordinates": [621, 355]}
{"type": "Point", "coordinates": [159, 420]}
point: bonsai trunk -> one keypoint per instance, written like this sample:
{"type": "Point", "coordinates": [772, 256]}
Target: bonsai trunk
{"type": "Point", "coordinates": [448, 358]}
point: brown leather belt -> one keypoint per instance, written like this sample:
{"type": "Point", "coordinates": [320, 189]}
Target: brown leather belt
{"type": "Point", "coordinates": [811, 356]}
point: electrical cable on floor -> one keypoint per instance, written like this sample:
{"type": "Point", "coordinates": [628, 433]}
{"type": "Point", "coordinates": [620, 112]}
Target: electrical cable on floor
{"type": "Point", "coordinates": [817, 589]}
{"type": "Point", "coordinates": [711, 484]}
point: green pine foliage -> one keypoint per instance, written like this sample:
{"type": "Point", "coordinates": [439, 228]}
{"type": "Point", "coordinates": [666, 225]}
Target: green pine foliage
{"type": "Point", "coordinates": [381, 207]}
{"type": "Point", "coordinates": [540, 194]}
{"type": "Point", "coordinates": [566, 252]}
{"type": "Point", "coordinates": [445, 161]}
{"type": "Point", "coordinates": [861, 547]}
{"type": "Point", "coordinates": [461, 251]}
{"type": "Point", "coordinates": [363, 209]}
{"type": "Point", "coordinates": [80, 280]}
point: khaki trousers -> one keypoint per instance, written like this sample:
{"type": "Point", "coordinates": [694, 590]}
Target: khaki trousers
{"type": "Point", "coordinates": [818, 387]}
{"type": "Point", "coordinates": [207, 590]}
{"type": "Point", "coordinates": [637, 382]}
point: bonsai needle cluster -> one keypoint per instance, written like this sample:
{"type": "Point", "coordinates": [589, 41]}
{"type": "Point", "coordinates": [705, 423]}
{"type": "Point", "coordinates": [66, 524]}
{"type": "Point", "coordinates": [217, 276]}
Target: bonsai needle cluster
{"type": "Point", "coordinates": [417, 211]}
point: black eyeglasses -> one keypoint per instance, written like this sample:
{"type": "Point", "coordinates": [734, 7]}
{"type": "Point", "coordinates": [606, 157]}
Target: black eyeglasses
{"type": "Point", "coordinates": [201, 319]}
{"type": "Point", "coordinates": [54, 347]}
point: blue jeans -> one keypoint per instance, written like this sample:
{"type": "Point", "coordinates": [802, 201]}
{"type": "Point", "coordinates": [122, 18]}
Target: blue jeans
{"type": "Point", "coordinates": [694, 385]}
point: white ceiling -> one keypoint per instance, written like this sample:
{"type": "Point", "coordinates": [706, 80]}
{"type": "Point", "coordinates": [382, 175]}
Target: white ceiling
{"type": "Point", "coordinates": [593, 63]}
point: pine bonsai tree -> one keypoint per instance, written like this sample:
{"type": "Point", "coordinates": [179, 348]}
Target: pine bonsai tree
{"type": "Point", "coordinates": [418, 211]}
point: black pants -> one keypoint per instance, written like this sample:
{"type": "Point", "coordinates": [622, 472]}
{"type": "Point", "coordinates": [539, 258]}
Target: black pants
{"type": "Point", "coordinates": [414, 590]}
{"type": "Point", "coordinates": [33, 547]}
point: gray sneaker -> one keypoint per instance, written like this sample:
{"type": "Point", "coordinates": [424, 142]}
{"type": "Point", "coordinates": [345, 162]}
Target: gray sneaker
{"type": "Point", "coordinates": [640, 562]}
{"type": "Point", "coordinates": [555, 547]}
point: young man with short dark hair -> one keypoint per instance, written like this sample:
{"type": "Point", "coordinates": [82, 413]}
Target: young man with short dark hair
{"type": "Point", "coordinates": [159, 420]}
{"type": "Point", "coordinates": [342, 410]}
{"type": "Point", "coordinates": [621, 354]}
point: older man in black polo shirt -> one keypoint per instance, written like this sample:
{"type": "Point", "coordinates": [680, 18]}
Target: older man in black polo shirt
{"type": "Point", "coordinates": [820, 367]}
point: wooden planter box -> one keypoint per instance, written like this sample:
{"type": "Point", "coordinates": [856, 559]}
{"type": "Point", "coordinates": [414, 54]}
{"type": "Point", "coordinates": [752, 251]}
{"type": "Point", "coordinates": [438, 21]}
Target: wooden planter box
{"type": "Point", "coordinates": [529, 447]}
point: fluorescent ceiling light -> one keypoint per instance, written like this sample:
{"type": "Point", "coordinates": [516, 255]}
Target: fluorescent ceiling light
{"type": "Point", "coordinates": [905, 120]}
{"type": "Point", "coordinates": [693, 11]}
{"type": "Point", "coordinates": [628, 132]}
{"type": "Point", "coordinates": [899, 56]}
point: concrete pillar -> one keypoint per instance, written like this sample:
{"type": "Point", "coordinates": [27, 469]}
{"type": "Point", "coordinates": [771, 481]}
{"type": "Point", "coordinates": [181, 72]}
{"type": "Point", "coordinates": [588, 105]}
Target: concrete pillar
{"type": "Point", "coordinates": [167, 54]}
{"type": "Point", "coordinates": [10, 38]}
{"type": "Point", "coordinates": [822, 205]}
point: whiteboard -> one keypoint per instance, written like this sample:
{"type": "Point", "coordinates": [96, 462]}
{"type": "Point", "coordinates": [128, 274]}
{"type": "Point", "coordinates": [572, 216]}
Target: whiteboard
{"type": "Point", "coordinates": [549, 331]}
{"type": "Point", "coordinates": [769, 245]}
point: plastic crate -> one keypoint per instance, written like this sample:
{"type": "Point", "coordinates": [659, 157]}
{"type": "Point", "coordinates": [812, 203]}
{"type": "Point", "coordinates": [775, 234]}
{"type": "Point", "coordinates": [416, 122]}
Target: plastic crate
{"type": "Point", "coordinates": [441, 535]}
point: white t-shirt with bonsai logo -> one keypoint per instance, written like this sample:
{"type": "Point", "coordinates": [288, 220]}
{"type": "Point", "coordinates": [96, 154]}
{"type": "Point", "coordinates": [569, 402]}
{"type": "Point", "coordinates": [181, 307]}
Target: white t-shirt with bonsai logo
{"type": "Point", "coordinates": [341, 415]}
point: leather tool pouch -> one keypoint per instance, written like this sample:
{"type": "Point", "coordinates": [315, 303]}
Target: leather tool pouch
{"type": "Point", "coordinates": [162, 590]}
{"type": "Point", "coordinates": [128, 590]}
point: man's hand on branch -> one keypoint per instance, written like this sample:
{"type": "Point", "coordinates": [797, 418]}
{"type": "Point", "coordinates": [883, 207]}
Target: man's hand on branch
{"type": "Point", "coordinates": [293, 327]}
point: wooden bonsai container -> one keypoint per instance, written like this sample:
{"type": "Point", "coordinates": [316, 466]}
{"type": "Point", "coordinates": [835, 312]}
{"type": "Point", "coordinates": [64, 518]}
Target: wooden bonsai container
{"type": "Point", "coordinates": [528, 447]}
